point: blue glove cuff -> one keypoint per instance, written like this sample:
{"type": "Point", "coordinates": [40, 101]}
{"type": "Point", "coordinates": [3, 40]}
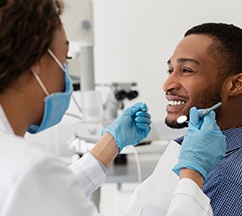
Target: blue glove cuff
{"type": "Point", "coordinates": [112, 133]}
{"type": "Point", "coordinates": [190, 165]}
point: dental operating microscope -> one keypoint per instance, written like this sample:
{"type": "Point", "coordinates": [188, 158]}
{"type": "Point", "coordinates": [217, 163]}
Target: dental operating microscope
{"type": "Point", "coordinates": [114, 103]}
{"type": "Point", "coordinates": [90, 130]}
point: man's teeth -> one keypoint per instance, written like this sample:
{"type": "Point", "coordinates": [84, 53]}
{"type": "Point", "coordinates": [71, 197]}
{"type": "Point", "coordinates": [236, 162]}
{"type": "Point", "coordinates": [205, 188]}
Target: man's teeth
{"type": "Point", "coordinates": [176, 103]}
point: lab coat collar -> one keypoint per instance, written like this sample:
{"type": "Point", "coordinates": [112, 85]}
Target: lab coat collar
{"type": "Point", "coordinates": [5, 126]}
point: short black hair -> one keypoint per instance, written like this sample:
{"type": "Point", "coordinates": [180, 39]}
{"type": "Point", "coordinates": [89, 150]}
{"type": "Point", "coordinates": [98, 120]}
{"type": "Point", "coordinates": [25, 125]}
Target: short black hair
{"type": "Point", "coordinates": [226, 48]}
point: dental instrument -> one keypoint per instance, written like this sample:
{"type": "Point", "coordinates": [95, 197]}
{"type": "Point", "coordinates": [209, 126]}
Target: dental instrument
{"type": "Point", "coordinates": [183, 118]}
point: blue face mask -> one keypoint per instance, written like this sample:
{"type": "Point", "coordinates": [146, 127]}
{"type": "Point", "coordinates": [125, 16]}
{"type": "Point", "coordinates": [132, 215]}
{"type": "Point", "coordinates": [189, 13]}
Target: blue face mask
{"type": "Point", "coordinates": [56, 104]}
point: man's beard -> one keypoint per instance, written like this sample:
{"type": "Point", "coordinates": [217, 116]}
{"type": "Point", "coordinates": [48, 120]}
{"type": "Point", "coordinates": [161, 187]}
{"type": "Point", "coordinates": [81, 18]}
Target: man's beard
{"type": "Point", "coordinates": [210, 97]}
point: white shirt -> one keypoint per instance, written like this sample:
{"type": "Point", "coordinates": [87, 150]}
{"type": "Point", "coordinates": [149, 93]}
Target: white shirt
{"type": "Point", "coordinates": [34, 182]}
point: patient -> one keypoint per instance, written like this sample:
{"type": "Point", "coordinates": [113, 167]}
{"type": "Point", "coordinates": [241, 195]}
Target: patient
{"type": "Point", "coordinates": [205, 68]}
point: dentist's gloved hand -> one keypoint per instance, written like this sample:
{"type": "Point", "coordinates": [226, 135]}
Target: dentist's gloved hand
{"type": "Point", "coordinates": [131, 127]}
{"type": "Point", "coordinates": [203, 144]}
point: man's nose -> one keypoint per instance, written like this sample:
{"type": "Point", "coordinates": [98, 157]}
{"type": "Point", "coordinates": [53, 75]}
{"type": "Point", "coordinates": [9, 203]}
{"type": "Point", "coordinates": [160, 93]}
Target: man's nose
{"type": "Point", "coordinates": [172, 83]}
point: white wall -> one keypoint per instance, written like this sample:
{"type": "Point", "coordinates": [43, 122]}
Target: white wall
{"type": "Point", "coordinates": [135, 38]}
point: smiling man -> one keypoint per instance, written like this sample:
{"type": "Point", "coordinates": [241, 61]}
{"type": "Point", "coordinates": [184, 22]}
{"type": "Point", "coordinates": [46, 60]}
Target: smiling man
{"type": "Point", "coordinates": [205, 68]}
{"type": "Point", "coordinates": [193, 78]}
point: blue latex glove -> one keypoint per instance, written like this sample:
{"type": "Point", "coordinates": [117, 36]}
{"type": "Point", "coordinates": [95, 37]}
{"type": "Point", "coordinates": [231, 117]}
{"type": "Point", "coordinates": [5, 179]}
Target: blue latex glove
{"type": "Point", "coordinates": [131, 127]}
{"type": "Point", "coordinates": [203, 144]}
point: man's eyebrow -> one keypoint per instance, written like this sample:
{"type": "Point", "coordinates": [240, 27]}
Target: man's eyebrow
{"type": "Point", "coordinates": [67, 42]}
{"type": "Point", "coordinates": [182, 60]}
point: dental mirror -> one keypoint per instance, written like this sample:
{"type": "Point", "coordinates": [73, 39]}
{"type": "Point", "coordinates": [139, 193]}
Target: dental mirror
{"type": "Point", "coordinates": [181, 119]}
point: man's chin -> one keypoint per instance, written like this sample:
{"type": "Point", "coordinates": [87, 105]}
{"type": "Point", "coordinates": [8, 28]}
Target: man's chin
{"type": "Point", "coordinates": [175, 125]}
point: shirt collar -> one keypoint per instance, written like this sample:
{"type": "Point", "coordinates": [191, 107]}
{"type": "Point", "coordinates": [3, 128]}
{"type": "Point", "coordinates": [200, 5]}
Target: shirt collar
{"type": "Point", "coordinates": [233, 138]}
{"type": "Point", "coordinates": [5, 126]}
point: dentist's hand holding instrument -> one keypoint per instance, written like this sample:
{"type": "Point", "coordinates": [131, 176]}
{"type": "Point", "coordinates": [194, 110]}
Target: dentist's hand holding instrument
{"type": "Point", "coordinates": [203, 145]}
{"type": "Point", "coordinates": [131, 127]}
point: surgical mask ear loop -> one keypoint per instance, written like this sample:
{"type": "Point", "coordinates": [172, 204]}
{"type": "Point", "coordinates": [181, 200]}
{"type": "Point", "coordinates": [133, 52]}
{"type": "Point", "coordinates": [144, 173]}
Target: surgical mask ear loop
{"type": "Point", "coordinates": [56, 59]}
{"type": "Point", "coordinates": [40, 82]}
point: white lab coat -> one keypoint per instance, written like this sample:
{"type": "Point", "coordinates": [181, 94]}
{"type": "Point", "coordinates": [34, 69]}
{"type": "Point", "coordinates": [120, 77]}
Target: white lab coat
{"type": "Point", "coordinates": [34, 182]}
{"type": "Point", "coordinates": [189, 200]}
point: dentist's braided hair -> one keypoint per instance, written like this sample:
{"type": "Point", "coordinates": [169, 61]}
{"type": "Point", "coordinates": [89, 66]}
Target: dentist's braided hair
{"type": "Point", "coordinates": [26, 31]}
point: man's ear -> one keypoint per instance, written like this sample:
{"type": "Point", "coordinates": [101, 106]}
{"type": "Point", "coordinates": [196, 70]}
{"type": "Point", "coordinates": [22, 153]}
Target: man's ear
{"type": "Point", "coordinates": [235, 85]}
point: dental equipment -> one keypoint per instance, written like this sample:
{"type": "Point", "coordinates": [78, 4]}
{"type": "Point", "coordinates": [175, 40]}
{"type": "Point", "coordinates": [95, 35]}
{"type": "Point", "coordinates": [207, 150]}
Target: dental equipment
{"type": "Point", "coordinates": [183, 118]}
{"type": "Point", "coordinates": [115, 100]}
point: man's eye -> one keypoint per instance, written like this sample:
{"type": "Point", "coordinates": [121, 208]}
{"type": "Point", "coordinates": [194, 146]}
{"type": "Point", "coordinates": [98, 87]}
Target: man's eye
{"type": "Point", "coordinates": [186, 70]}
